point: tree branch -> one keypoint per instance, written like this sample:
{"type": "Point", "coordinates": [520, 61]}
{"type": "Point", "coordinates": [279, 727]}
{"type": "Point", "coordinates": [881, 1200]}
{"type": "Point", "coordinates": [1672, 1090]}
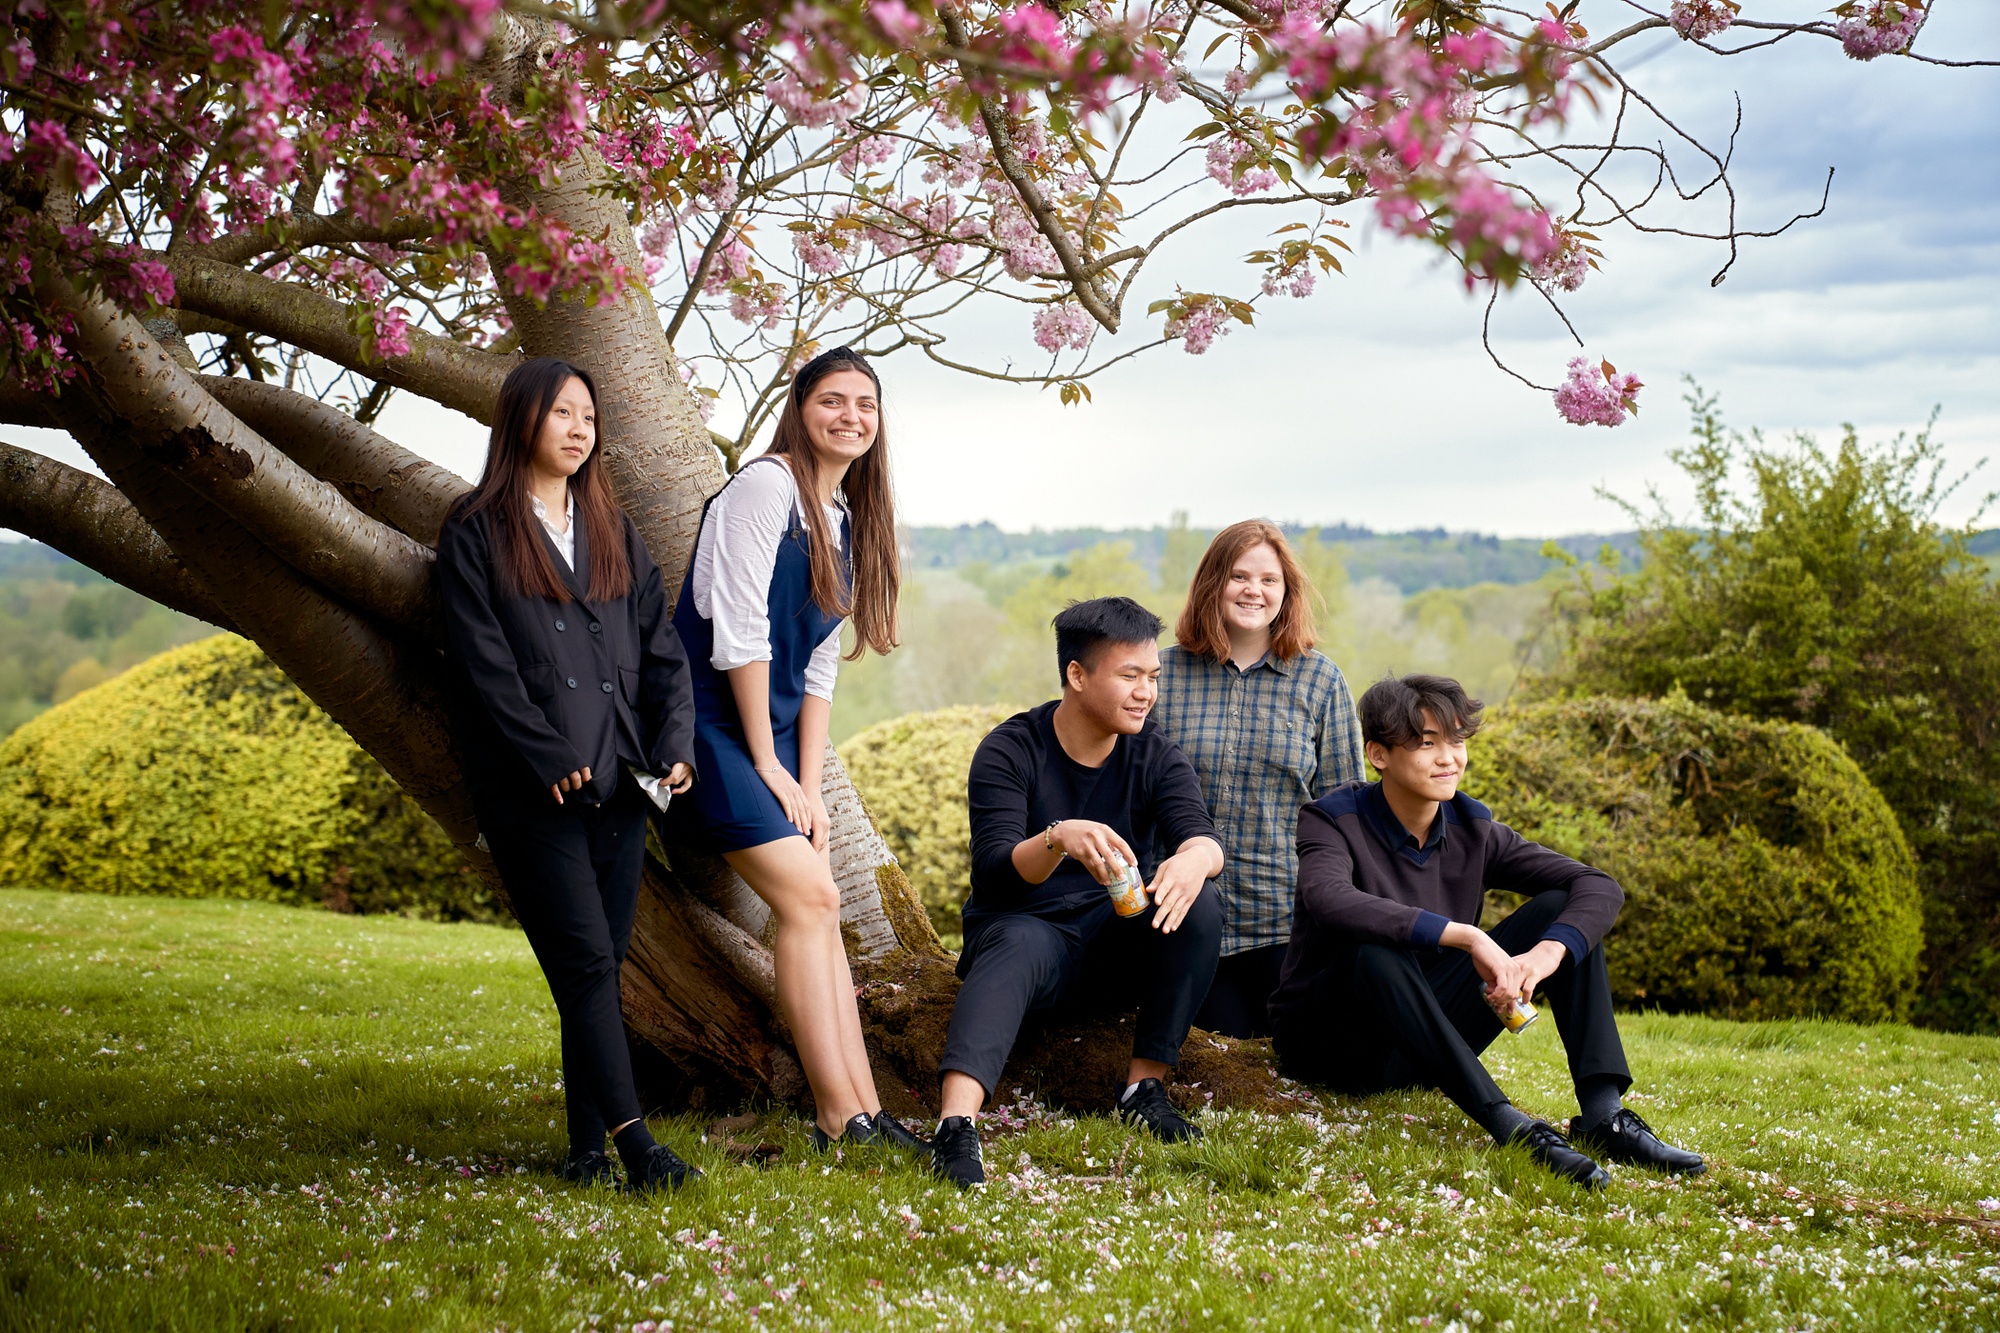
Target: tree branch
{"type": "Point", "coordinates": [299, 518]}
{"type": "Point", "coordinates": [1049, 222]}
{"type": "Point", "coordinates": [86, 519]}
{"type": "Point", "coordinates": [378, 476]}
{"type": "Point", "coordinates": [466, 379]}
{"type": "Point", "coordinates": [386, 694]}
{"type": "Point", "coordinates": [302, 231]}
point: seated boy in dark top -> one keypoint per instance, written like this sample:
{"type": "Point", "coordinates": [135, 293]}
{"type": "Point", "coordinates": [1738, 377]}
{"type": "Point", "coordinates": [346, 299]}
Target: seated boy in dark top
{"type": "Point", "coordinates": [1390, 983]}
{"type": "Point", "coordinates": [1057, 796]}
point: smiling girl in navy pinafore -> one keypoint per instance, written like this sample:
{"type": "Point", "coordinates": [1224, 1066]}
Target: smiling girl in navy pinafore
{"type": "Point", "coordinates": [777, 568]}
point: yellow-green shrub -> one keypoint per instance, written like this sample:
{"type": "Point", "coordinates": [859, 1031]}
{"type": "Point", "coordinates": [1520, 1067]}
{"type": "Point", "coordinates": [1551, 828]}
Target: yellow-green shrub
{"type": "Point", "coordinates": [1764, 875]}
{"type": "Point", "coordinates": [205, 773]}
{"type": "Point", "coordinates": [911, 772]}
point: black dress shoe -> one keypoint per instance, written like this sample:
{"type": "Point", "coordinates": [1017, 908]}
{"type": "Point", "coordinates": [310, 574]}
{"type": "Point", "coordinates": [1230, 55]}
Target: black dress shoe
{"type": "Point", "coordinates": [661, 1168]}
{"type": "Point", "coordinates": [1546, 1145]}
{"type": "Point", "coordinates": [893, 1132]}
{"type": "Point", "coordinates": [1630, 1141]}
{"type": "Point", "coordinates": [856, 1132]}
{"type": "Point", "coordinates": [1149, 1106]}
{"type": "Point", "coordinates": [955, 1152]}
{"type": "Point", "coordinates": [589, 1168]}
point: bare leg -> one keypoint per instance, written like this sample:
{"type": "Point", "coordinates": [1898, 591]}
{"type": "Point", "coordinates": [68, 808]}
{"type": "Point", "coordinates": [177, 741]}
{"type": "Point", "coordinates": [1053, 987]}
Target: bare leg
{"type": "Point", "coordinates": [815, 988]}
{"type": "Point", "coordinates": [961, 1095]}
{"type": "Point", "coordinates": [1140, 1070]}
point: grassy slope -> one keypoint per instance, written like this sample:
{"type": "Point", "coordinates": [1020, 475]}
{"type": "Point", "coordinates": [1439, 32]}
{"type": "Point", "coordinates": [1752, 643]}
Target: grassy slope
{"type": "Point", "coordinates": [239, 1116]}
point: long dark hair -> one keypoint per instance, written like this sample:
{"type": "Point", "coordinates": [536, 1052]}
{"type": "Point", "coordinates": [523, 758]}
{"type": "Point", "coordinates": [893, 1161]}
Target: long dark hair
{"type": "Point", "coordinates": [526, 400]}
{"type": "Point", "coordinates": [870, 602]}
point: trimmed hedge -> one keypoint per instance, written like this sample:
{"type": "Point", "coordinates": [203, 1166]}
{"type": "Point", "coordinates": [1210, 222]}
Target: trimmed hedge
{"type": "Point", "coordinates": [205, 773]}
{"type": "Point", "coordinates": [1764, 876]}
{"type": "Point", "coordinates": [911, 772]}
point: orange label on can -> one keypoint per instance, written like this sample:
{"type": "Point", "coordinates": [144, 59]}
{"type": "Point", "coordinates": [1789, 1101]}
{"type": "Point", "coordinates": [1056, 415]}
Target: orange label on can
{"type": "Point", "coordinates": [1128, 891]}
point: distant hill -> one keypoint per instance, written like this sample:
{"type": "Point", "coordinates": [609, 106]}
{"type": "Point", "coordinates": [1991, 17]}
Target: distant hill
{"type": "Point", "coordinates": [1412, 561]}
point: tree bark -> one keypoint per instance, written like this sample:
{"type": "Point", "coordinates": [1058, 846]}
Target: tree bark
{"type": "Point", "coordinates": [466, 379]}
{"type": "Point", "coordinates": [90, 522]}
{"type": "Point", "coordinates": [378, 476]}
{"type": "Point", "coordinates": [298, 517]}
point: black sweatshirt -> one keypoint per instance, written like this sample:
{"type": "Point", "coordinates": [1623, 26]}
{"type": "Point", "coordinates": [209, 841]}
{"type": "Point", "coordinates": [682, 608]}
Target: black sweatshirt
{"type": "Point", "coordinates": [1022, 781]}
{"type": "Point", "coordinates": [1363, 877]}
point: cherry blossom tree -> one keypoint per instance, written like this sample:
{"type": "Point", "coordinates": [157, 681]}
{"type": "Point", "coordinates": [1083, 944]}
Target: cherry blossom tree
{"type": "Point", "coordinates": [232, 230]}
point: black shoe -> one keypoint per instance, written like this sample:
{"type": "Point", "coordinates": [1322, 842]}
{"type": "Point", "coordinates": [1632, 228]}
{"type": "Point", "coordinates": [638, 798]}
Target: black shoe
{"type": "Point", "coordinates": [896, 1134]}
{"type": "Point", "coordinates": [857, 1131]}
{"type": "Point", "coordinates": [955, 1152]}
{"type": "Point", "coordinates": [1630, 1141]}
{"type": "Point", "coordinates": [1546, 1145]}
{"type": "Point", "coordinates": [661, 1168]}
{"type": "Point", "coordinates": [589, 1168]}
{"type": "Point", "coordinates": [1148, 1106]}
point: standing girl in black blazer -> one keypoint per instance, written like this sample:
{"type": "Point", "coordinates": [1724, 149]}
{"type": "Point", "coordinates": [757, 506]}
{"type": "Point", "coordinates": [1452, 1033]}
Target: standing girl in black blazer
{"type": "Point", "coordinates": [574, 713]}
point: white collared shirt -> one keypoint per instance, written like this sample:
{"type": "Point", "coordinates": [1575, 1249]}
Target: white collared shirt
{"type": "Point", "coordinates": [564, 538]}
{"type": "Point", "coordinates": [734, 559]}
{"type": "Point", "coordinates": [565, 541]}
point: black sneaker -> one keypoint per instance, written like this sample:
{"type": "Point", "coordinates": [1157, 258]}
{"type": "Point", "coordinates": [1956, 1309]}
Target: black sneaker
{"type": "Point", "coordinates": [589, 1168]}
{"type": "Point", "coordinates": [856, 1132]}
{"type": "Point", "coordinates": [662, 1168]}
{"type": "Point", "coordinates": [1546, 1145]}
{"type": "Point", "coordinates": [1148, 1105]}
{"type": "Point", "coordinates": [896, 1134]}
{"type": "Point", "coordinates": [1630, 1141]}
{"type": "Point", "coordinates": [955, 1152]}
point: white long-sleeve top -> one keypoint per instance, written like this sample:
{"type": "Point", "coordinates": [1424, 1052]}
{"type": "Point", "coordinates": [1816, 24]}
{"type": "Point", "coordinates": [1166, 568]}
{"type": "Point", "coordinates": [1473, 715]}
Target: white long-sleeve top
{"type": "Point", "coordinates": [734, 559]}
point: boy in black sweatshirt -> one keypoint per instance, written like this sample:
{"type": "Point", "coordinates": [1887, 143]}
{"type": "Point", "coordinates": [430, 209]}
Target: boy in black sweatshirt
{"type": "Point", "coordinates": [1390, 983]}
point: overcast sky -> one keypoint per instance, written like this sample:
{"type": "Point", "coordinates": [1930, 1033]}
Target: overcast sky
{"type": "Point", "coordinates": [1372, 402]}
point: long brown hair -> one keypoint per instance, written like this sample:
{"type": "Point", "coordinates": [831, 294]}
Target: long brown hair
{"type": "Point", "coordinates": [870, 601]}
{"type": "Point", "coordinates": [1201, 628]}
{"type": "Point", "coordinates": [526, 399]}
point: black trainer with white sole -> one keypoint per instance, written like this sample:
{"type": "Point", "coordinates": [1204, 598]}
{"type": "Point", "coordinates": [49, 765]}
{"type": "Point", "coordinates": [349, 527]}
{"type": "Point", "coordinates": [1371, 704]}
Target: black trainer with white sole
{"type": "Point", "coordinates": [955, 1152]}
{"type": "Point", "coordinates": [1149, 1106]}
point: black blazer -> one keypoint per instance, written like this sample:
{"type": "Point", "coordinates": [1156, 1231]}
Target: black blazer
{"type": "Point", "coordinates": [543, 688]}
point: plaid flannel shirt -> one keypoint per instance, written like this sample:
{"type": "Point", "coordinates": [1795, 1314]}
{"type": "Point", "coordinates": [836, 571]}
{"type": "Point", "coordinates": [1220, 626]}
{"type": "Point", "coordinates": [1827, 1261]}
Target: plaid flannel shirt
{"type": "Point", "coordinates": [1264, 742]}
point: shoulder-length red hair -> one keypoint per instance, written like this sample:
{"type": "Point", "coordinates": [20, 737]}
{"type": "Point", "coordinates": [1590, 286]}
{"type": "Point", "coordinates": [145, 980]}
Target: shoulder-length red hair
{"type": "Point", "coordinates": [526, 399]}
{"type": "Point", "coordinates": [1200, 628]}
{"type": "Point", "coordinates": [870, 600]}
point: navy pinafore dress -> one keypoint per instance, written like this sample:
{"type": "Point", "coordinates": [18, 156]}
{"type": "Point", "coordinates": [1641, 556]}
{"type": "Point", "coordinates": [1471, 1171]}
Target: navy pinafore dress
{"type": "Point", "coordinates": [729, 807]}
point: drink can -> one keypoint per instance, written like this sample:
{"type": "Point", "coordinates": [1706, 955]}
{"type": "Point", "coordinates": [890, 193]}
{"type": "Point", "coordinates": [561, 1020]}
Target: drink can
{"type": "Point", "coordinates": [1517, 1015]}
{"type": "Point", "coordinates": [1128, 891]}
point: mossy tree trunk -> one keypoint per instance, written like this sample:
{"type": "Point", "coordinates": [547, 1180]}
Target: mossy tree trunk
{"type": "Point", "coordinates": [260, 509]}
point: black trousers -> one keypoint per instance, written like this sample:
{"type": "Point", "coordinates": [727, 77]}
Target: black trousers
{"type": "Point", "coordinates": [572, 872]}
{"type": "Point", "coordinates": [1238, 1003]}
{"type": "Point", "coordinates": [1091, 960]}
{"type": "Point", "coordinates": [1382, 1017]}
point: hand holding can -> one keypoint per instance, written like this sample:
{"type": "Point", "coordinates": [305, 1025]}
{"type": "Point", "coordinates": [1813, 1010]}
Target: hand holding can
{"type": "Point", "coordinates": [1128, 889]}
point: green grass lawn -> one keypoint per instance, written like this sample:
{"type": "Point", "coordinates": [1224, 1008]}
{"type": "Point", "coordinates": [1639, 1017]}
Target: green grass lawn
{"type": "Point", "coordinates": [223, 1115]}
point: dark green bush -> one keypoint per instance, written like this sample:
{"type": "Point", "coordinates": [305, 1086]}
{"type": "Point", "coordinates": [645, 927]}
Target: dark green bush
{"type": "Point", "coordinates": [205, 773]}
{"type": "Point", "coordinates": [1764, 876]}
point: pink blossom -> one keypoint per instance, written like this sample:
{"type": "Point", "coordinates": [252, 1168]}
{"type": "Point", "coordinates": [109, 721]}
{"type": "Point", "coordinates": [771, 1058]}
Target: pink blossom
{"type": "Point", "coordinates": [1227, 159]}
{"type": "Point", "coordinates": [1871, 28]}
{"type": "Point", "coordinates": [1698, 20]}
{"type": "Point", "coordinates": [1565, 267]}
{"type": "Point", "coordinates": [1063, 326]}
{"type": "Point", "coordinates": [391, 328]}
{"type": "Point", "coordinates": [1204, 322]}
{"type": "Point", "coordinates": [758, 303]}
{"type": "Point", "coordinates": [815, 252]}
{"type": "Point", "coordinates": [898, 22]}
{"type": "Point", "coordinates": [49, 142]}
{"type": "Point", "coordinates": [1596, 394]}
{"type": "Point", "coordinates": [867, 151]}
{"type": "Point", "coordinates": [1298, 281]}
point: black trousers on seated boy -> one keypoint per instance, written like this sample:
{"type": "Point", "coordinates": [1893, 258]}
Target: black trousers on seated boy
{"type": "Point", "coordinates": [1080, 957]}
{"type": "Point", "coordinates": [1382, 1017]}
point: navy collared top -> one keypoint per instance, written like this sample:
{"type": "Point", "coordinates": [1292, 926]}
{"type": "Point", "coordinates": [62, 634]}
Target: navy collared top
{"type": "Point", "coordinates": [1363, 875]}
